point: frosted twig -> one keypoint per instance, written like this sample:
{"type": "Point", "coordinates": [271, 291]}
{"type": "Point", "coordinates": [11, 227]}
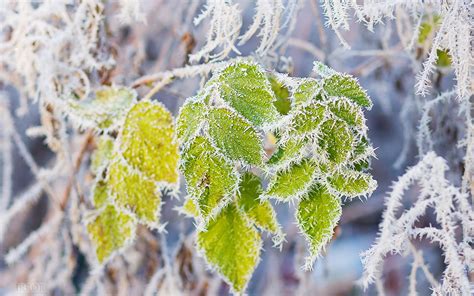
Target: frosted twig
{"type": "Point", "coordinates": [15, 254]}
{"type": "Point", "coordinates": [181, 73]}
{"type": "Point", "coordinates": [307, 46]}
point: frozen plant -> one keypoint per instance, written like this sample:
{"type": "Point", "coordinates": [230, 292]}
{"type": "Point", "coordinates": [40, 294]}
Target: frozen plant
{"type": "Point", "coordinates": [453, 233]}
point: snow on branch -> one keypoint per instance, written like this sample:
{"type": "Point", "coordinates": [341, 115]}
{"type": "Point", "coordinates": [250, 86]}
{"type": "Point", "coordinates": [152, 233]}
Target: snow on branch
{"type": "Point", "coordinates": [273, 21]}
{"type": "Point", "coordinates": [452, 35]}
{"type": "Point", "coordinates": [452, 210]}
{"type": "Point", "coordinates": [51, 48]}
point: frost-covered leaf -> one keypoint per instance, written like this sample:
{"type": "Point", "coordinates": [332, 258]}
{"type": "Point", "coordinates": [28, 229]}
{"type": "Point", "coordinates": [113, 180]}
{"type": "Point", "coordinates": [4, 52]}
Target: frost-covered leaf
{"type": "Point", "coordinates": [231, 245]}
{"type": "Point", "coordinates": [424, 31]}
{"type": "Point", "coordinates": [306, 90]}
{"type": "Point", "coordinates": [352, 183]}
{"type": "Point", "coordinates": [350, 113]}
{"type": "Point", "coordinates": [210, 178]}
{"type": "Point", "coordinates": [110, 231]}
{"type": "Point", "coordinates": [148, 142]}
{"type": "Point", "coordinates": [287, 151]}
{"type": "Point", "coordinates": [190, 117]}
{"type": "Point", "coordinates": [245, 87]}
{"type": "Point", "coordinates": [443, 58]}
{"type": "Point", "coordinates": [360, 159]}
{"type": "Point", "coordinates": [107, 108]}
{"type": "Point", "coordinates": [292, 182]}
{"type": "Point", "coordinates": [336, 140]}
{"type": "Point", "coordinates": [282, 94]}
{"type": "Point", "coordinates": [236, 137]}
{"type": "Point", "coordinates": [308, 118]}
{"type": "Point", "coordinates": [190, 207]}
{"type": "Point", "coordinates": [259, 212]}
{"type": "Point", "coordinates": [427, 27]}
{"type": "Point", "coordinates": [342, 85]}
{"type": "Point", "coordinates": [317, 215]}
{"type": "Point", "coordinates": [101, 156]}
{"type": "Point", "coordinates": [134, 192]}
{"type": "Point", "coordinates": [100, 193]}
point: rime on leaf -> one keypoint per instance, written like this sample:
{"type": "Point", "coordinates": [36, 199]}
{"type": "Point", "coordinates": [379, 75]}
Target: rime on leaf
{"type": "Point", "coordinates": [209, 176]}
{"type": "Point", "coordinates": [133, 191]}
{"type": "Point", "coordinates": [231, 245]}
{"type": "Point", "coordinates": [101, 156]}
{"type": "Point", "coordinates": [289, 150]}
{"type": "Point", "coordinates": [246, 88]}
{"type": "Point", "coordinates": [191, 115]}
{"type": "Point", "coordinates": [148, 142]}
{"type": "Point", "coordinates": [318, 213]}
{"type": "Point", "coordinates": [352, 183]}
{"type": "Point", "coordinates": [308, 118]}
{"type": "Point", "coordinates": [342, 85]}
{"type": "Point", "coordinates": [106, 109]}
{"type": "Point", "coordinates": [101, 193]}
{"type": "Point", "coordinates": [282, 94]}
{"type": "Point", "coordinates": [291, 182]}
{"type": "Point", "coordinates": [350, 113]}
{"type": "Point", "coordinates": [259, 212]}
{"type": "Point", "coordinates": [190, 207]}
{"type": "Point", "coordinates": [307, 89]}
{"type": "Point", "coordinates": [336, 139]}
{"type": "Point", "coordinates": [235, 137]}
{"type": "Point", "coordinates": [110, 231]}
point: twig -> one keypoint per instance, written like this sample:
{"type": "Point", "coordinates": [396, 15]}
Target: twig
{"type": "Point", "coordinates": [165, 81]}
{"type": "Point", "coordinates": [181, 73]}
{"type": "Point", "coordinates": [307, 46]}
{"type": "Point", "coordinates": [77, 166]}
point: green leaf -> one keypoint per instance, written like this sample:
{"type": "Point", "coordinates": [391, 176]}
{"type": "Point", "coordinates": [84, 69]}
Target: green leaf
{"type": "Point", "coordinates": [352, 183]}
{"type": "Point", "coordinates": [308, 119]}
{"type": "Point", "coordinates": [105, 110]}
{"type": "Point", "coordinates": [287, 151]}
{"type": "Point", "coordinates": [343, 85]}
{"type": "Point", "coordinates": [292, 182]}
{"type": "Point", "coordinates": [259, 212]}
{"type": "Point", "coordinates": [362, 151]}
{"type": "Point", "coordinates": [425, 30]}
{"type": "Point", "coordinates": [306, 90]}
{"type": "Point", "coordinates": [110, 231]}
{"type": "Point", "coordinates": [211, 179]}
{"type": "Point", "coordinates": [191, 116]}
{"type": "Point", "coordinates": [190, 208]}
{"type": "Point", "coordinates": [101, 193]}
{"type": "Point", "coordinates": [134, 192]}
{"type": "Point", "coordinates": [148, 144]}
{"type": "Point", "coordinates": [101, 156]}
{"type": "Point", "coordinates": [282, 94]}
{"type": "Point", "coordinates": [317, 215]}
{"type": "Point", "coordinates": [336, 140]}
{"type": "Point", "coordinates": [245, 87]}
{"type": "Point", "coordinates": [231, 245]}
{"type": "Point", "coordinates": [443, 58]}
{"type": "Point", "coordinates": [237, 138]}
{"type": "Point", "coordinates": [350, 113]}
